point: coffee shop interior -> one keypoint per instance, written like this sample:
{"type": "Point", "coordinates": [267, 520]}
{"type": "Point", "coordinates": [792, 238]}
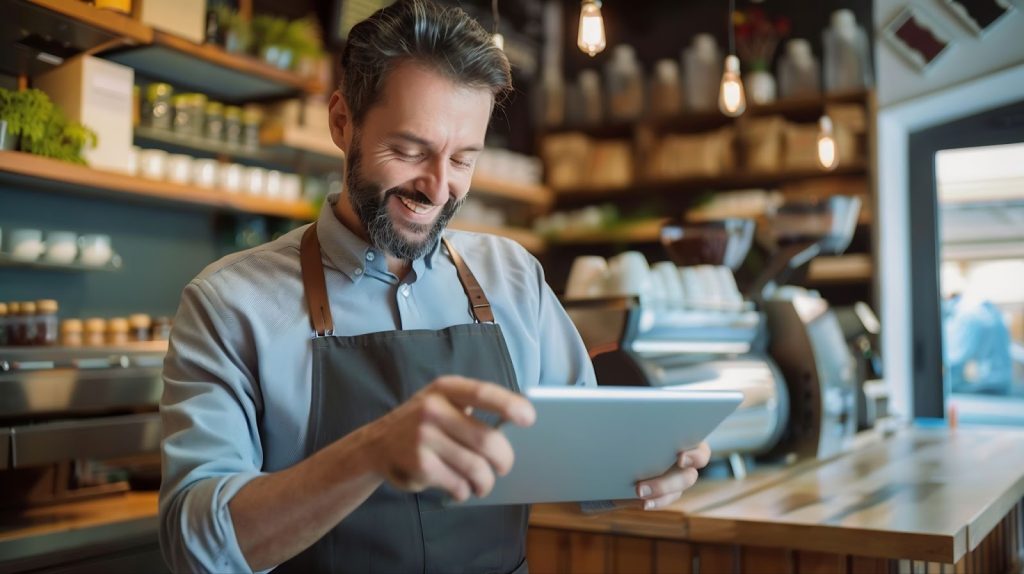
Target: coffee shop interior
{"type": "Point", "coordinates": [819, 204]}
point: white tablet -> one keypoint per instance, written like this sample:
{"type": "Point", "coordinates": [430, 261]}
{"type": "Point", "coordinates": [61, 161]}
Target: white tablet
{"type": "Point", "coordinates": [595, 443]}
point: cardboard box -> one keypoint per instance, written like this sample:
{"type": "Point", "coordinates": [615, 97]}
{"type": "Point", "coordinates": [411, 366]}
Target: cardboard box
{"type": "Point", "coordinates": [96, 93]}
{"type": "Point", "coordinates": [185, 18]}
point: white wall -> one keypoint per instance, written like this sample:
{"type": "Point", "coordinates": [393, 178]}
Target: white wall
{"type": "Point", "coordinates": [977, 74]}
{"type": "Point", "coordinates": [967, 58]}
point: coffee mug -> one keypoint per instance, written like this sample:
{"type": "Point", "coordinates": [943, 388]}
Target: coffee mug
{"type": "Point", "coordinates": [674, 296]}
{"type": "Point", "coordinates": [179, 168]}
{"type": "Point", "coordinates": [231, 177]}
{"type": "Point", "coordinates": [628, 274]}
{"type": "Point", "coordinates": [61, 247]}
{"type": "Point", "coordinates": [587, 277]}
{"type": "Point", "coordinates": [204, 173]}
{"type": "Point", "coordinates": [27, 244]}
{"type": "Point", "coordinates": [95, 250]}
{"type": "Point", "coordinates": [254, 181]}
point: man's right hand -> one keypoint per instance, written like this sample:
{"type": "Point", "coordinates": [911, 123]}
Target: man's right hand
{"type": "Point", "coordinates": [432, 440]}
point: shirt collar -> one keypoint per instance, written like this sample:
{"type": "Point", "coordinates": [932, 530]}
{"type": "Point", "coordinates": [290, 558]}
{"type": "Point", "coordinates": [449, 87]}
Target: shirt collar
{"type": "Point", "coordinates": [350, 253]}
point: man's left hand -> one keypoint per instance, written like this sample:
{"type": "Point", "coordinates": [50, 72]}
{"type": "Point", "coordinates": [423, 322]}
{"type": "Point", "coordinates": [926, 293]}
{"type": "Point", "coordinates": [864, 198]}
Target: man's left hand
{"type": "Point", "coordinates": [663, 490]}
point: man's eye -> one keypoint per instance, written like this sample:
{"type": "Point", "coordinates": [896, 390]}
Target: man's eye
{"type": "Point", "coordinates": [462, 163]}
{"type": "Point", "coordinates": [408, 156]}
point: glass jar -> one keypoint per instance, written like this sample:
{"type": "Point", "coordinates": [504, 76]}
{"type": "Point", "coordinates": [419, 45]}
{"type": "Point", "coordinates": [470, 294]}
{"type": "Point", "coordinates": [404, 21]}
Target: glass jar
{"type": "Point", "coordinates": [11, 324]}
{"type": "Point", "coordinates": [161, 330]}
{"type": "Point", "coordinates": [71, 331]}
{"type": "Point", "coordinates": [46, 322]}
{"type": "Point", "coordinates": [26, 327]}
{"type": "Point", "coordinates": [251, 118]}
{"type": "Point", "coordinates": [183, 114]}
{"type": "Point", "coordinates": [213, 126]}
{"type": "Point", "coordinates": [139, 325]}
{"type": "Point", "coordinates": [198, 114]}
{"type": "Point", "coordinates": [157, 110]}
{"type": "Point", "coordinates": [95, 332]}
{"type": "Point", "coordinates": [117, 331]}
{"type": "Point", "coordinates": [3, 325]}
{"type": "Point", "coordinates": [233, 125]}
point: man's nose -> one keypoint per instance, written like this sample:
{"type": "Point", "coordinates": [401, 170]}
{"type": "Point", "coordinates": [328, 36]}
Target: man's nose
{"type": "Point", "coordinates": [434, 181]}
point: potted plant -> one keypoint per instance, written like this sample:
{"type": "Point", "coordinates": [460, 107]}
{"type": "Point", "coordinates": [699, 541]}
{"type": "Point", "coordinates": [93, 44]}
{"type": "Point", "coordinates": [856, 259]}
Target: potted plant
{"type": "Point", "coordinates": [304, 38]}
{"type": "Point", "coordinates": [24, 115]}
{"type": "Point", "coordinates": [269, 40]}
{"type": "Point", "coordinates": [60, 139]}
{"type": "Point", "coordinates": [234, 32]}
{"type": "Point", "coordinates": [757, 35]}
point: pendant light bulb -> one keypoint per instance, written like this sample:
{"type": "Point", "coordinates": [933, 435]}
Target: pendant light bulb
{"type": "Point", "coordinates": [499, 41]}
{"type": "Point", "coordinates": [827, 156]}
{"type": "Point", "coordinates": [732, 101]}
{"type": "Point", "coordinates": [591, 38]}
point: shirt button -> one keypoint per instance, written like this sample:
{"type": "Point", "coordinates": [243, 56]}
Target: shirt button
{"type": "Point", "coordinates": [405, 290]}
{"type": "Point", "coordinates": [370, 255]}
{"type": "Point", "coordinates": [358, 271]}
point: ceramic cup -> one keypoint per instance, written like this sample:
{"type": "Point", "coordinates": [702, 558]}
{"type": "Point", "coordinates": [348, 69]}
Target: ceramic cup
{"type": "Point", "coordinates": [152, 163]}
{"type": "Point", "coordinates": [673, 284]}
{"type": "Point", "coordinates": [204, 173]}
{"type": "Point", "coordinates": [26, 244]}
{"type": "Point", "coordinates": [628, 274]}
{"type": "Point", "coordinates": [179, 168]}
{"type": "Point", "coordinates": [95, 250]}
{"type": "Point", "coordinates": [61, 247]}
{"type": "Point", "coordinates": [291, 187]}
{"type": "Point", "coordinates": [231, 177]}
{"type": "Point", "coordinates": [254, 180]}
{"type": "Point", "coordinates": [587, 277]}
{"type": "Point", "coordinates": [273, 184]}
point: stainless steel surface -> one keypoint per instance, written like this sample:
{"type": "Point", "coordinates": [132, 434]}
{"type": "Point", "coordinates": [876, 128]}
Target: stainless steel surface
{"type": "Point", "coordinates": [97, 438]}
{"type": "Point", "coordinates": [5, 448]}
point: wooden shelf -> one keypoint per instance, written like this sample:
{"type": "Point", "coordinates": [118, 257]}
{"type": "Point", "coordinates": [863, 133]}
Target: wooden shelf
{"type": "Point", "coordinates": [6, 260]}
{"type": "Point", "coordinates": [725, 182]}
{"type": "Point", "coordinates": [528, 239]}
{"type": "Point", "coordinates": [536, 195]}
{"type": "Point", "coordinates": [644, 231]}
{"type": "Point", "coordinates": [130, 29]}
{"type": "Point", "coordinates": [281, 149]}
{"type": "Point", "coordinates": [850, 268]}
{"type": "Point", "coordinates": [54, 175]}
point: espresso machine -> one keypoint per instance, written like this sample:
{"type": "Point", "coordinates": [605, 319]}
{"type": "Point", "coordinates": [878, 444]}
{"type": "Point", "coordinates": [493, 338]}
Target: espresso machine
{"type": "Point", "coordinates": [783, 347]}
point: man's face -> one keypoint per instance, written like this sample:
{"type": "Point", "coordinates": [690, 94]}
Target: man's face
{"type": "Point", "coordinates": [411, 161]}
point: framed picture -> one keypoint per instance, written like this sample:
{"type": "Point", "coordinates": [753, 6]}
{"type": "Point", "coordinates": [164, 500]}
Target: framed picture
{"type": "Point", "coordinates": [979, 16]}
{"type": "Point", "coordinates": [918, 36]}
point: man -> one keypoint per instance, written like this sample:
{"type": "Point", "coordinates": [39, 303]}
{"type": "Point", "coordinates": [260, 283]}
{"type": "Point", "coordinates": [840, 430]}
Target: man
{"type": "Point", "coordinates": [320, 389]}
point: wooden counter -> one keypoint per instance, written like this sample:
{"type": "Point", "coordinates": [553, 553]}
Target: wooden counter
{"type": "Point", "coordinates": [926, 500]}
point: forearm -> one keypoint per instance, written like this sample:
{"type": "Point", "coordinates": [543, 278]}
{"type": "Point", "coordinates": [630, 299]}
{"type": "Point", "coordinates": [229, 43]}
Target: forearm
{"type": "Point", "coordinates": [279, 515]}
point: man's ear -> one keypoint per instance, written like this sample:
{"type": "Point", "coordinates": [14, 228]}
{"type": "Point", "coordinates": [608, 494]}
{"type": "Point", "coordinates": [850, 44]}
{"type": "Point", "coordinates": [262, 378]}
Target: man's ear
{"type": "Point", "coordinates": [340, 121]}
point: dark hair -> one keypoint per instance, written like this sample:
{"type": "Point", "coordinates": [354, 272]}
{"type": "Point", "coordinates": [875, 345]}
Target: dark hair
{"type": "Point", "coordinates": [444, 38]}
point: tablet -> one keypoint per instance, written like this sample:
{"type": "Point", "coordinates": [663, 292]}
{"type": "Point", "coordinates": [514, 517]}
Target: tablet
{"type": "Point", "coordinates": [595, 443]}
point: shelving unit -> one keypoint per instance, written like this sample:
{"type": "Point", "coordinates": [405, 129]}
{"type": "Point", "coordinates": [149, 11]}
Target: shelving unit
{"type": "Point", "coordinates": [537, 196]}
{"type": "Point", "coordinates": [528, 239]}
{"type": "Point", "coordinates": [57, 176]}
{"type": "Point", "coordinates": [7, 260]}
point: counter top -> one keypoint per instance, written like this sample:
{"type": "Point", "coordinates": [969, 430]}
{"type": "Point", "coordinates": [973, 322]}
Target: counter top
{"type": "Point", "coordinates": [922, 494]}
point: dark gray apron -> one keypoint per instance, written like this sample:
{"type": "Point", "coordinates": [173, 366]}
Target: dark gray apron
{"type": "Point", "coordinates": [357, 380]}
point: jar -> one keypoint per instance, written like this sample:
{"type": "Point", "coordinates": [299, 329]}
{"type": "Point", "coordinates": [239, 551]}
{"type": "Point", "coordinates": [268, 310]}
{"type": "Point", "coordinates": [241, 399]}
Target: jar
{"type": "Point", "coordinates": [139, 325]}
{"type": "Point", "coordinates": [71, 333]}
{"type": "Point", "coordinates": [213, 127]}
{"type": "Point", "coordinates": [183, 114]}
{"type": "Point", "coordinates": [11, 325]}
{"type": "Point", "coordinates": [95, 332]}
{"type": "Point", "coordinates": [233, 125]}
{"type": "Point", "coordinates": [251, 118]}
{"type": "Point", "coordinates": [26, 327]}
{"type": "Point", "coordinates": [46, 322]}
{"type": "Point", "coordinates": [199, 114]}
{"type": "Point", "coordinates": [3, 325]}
{"type": "Point", "coordinates": [161, 330]}
{"type": "Point", "coordinates": [117, 331]}
{"type": "Point", "coordinates": [157, 111]}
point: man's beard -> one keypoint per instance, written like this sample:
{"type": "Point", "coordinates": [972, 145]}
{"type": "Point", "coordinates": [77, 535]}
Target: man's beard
{"type": "Point", "coordinates": [370, 205]}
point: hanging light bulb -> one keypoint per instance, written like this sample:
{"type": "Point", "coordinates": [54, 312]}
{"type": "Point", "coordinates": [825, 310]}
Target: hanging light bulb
{"type": "Point", "coordinates": [591, 37]}
{"type": "Point", "coordinates": [732, 100]}
{"type": "Point", "coordinates": [498, 39]}
{"type": "Point", "coordinates": [827, 156]}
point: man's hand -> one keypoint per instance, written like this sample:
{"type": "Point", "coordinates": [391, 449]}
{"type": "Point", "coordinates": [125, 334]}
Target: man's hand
{"type": "Point", "coordinates": [663, 490]}
{"type": "Point", "coordinates": [432, 440]}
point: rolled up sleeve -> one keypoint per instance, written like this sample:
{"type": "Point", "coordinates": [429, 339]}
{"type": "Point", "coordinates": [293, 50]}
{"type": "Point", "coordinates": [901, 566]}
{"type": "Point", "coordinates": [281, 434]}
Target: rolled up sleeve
{"type": "Point", "coordinates": [211, 444]}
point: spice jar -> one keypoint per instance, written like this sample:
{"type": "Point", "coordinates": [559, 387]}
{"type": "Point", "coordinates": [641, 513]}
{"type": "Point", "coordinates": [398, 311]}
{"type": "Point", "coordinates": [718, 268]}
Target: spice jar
{"type": "Point", "coordinates": [161, 330]}
{"type": "Point", "coordinates": [71, 333]}
{"type": "Point", "coordinates": [157, 111]}
{"type": "Point", "coordinates": [3, 325]}
{"type": "Point", "coordinates": [26, 327]}
{"type": "Point", "coordinates": [251, 118]}
{"type": "Point", "coordinates": [139, 325]}
{"type": "Point", "coordinates": [46, 322]}
{"type": "Point", "coordinates": [213, 126]}
{"type": "Point", "coordinates": [199, 114]}
{"type": "Point", "coordinates": [11, 324]}
{"type": "Point", "coordinates": [117, 331]}
{"type": "Point", "coordinates": [95, 332]}
{"type": "Point", "coordinates": [233, 125]}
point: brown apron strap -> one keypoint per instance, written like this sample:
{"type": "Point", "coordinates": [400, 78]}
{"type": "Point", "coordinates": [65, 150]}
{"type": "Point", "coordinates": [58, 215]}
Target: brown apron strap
{"type": "Point", "coordinates": [314, 283]}
{"type": "Point", "coordinates": [480, 305]}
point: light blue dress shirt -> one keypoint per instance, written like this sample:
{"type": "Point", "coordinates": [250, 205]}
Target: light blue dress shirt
{"type": "Point", "coordinates": [238, 373]}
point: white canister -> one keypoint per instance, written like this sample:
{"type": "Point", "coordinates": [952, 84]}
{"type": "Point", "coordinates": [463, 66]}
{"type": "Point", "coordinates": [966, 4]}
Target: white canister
{"type": "Point", "coordinates": [133, 160]}
{"type": "Point", "coordinates": [254, 180]}
{"type": "Point", "coordinates": [61, 247]}
{"type": "Point", "coordinates": [291, 187]}
{"type": "Point", "coordinates": [628, 274]}
{"type": "Point", "coordinates": [26, 244]}
{"type": "Point", "coordinates": [587, 277]}
{"type": "Point", "coordinates": [95, 250]}
{"type": "Point", "coordinates": [231, 177]}
{"type": "Point", "coordinates": [179, 168]}
{"type": "Point", "coordinates": [272, 184]}
{"type": "Point", "coordinates": [152, 163]}
{"type": "Point", "coordinates": [204, 173]}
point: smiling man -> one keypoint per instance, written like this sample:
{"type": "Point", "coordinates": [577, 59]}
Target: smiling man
{"type": "Point", "coordinates": [322, 390]}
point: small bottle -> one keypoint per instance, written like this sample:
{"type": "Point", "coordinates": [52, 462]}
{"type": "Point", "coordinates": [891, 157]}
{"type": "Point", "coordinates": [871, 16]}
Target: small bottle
{"type": "Point", "coordinates": [71, 331]}
{"type": "Point", "coordinates": [233, 125]}
{"type": "Point", "coordinates": [666, 92]}
{"type": "Point", "coordinates": [117, 331]}
{"type": "Point", "coordinates": [46, 323]}
{"type": "Point", "coordinates": [139, 325]}
{"type": "Point", "coordinates": [252, 115]}
{"type": "Point", "coordinates": [3, 325]}
{"type": "Point", "coordinates": [213, 128]}
{"type": "Point", "coordinates": [702, 73]}
{"type": "Point", "coordinates": [161, 330]}
{"type": "Point", "coordinates": [11, 325]}
{"type": "Point", "coordinates": [157, 110]}
{"type": "Point", "coordinates": [27, 324]}
{"type": "Point", "coordinates": [95, 332]}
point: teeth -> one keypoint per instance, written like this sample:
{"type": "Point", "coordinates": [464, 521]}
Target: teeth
{"type": "Point", "coordinates": [416, 207]}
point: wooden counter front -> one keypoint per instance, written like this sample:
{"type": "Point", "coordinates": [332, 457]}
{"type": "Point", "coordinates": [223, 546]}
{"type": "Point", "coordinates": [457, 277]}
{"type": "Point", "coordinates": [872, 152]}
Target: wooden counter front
{"type": "Point", "coordinates": [926, 499]}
